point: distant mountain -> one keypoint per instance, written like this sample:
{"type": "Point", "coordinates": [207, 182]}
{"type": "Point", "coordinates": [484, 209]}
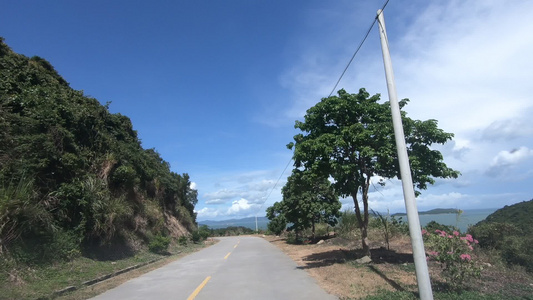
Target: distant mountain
{"type": "Point", "coordinates": [246, 222]}
{"type": "Point", "coordinates": [435, 211]}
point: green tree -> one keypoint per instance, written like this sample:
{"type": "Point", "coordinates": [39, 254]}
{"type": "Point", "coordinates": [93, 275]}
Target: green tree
{"type": "Point", "coordinates": [350, 138]}
{"type": "Point", "coordinates": [309, 199]}
{"type": "Point", "coordinates": [277, 223]}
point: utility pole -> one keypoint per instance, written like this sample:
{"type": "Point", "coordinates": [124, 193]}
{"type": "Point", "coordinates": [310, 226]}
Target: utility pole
{"type": "Point", "coordinates": [419, 254]}
{"type": "Point", "coordinates": [256, 231]}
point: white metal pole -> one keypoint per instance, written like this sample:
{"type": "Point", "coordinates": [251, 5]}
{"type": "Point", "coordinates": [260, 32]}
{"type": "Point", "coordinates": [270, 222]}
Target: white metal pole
{"type": "Point", "coordinates": [419, 255]}
{"type": "Point", "coordinates": [256, 231]}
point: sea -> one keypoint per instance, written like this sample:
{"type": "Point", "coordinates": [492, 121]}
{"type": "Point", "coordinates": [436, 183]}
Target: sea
{"type": "Point", "coordinates": [462, 221]}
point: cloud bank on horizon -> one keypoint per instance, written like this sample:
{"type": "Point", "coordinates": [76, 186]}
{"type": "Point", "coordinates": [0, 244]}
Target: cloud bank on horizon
{"type": "Point", "coordinates": [463, 63]}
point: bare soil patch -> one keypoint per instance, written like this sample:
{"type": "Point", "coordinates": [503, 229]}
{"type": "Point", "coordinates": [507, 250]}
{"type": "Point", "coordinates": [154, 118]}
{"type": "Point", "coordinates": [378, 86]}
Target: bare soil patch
{"type": "Point", "coordinates": [333, 265]}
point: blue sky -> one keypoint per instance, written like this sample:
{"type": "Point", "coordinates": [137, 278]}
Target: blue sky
{"type": "Point", "coordinates": [215, 86]}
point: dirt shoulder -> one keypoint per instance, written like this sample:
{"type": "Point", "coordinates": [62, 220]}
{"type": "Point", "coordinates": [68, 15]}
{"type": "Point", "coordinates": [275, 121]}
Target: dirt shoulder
{"type": "Point", "coordinates": [333, 265]}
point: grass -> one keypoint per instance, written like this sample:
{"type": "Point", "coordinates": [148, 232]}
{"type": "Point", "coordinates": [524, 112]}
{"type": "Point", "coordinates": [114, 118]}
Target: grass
{"type": "Point", "coordinates": [40, 282]}
{"type": "Point", "coordinates": [467, 295]}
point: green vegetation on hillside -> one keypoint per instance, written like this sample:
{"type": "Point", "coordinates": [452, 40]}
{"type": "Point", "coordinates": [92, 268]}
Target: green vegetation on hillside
{"type": "Point", "coordinates": [73, 176]}
{"type": "Point", "coordinates": [230, 231]}
{"type": "Point", "coordinates": [518, 214]}
{"type": "Point", "coordinates": [508, 232]}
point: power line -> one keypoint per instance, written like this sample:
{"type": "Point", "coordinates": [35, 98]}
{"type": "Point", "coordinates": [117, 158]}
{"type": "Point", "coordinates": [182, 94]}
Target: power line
{"type": "Point", "coordinates": [333, 90]}
{"type": "Point", "coordinates": [275, 185]}
{"type": "Point", "coordinates": [357, 50]}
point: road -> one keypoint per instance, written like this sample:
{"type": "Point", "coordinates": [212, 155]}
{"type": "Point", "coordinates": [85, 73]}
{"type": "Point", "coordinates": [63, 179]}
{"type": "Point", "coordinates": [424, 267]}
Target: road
{"type": "Point", "coordinates": [235, 268]}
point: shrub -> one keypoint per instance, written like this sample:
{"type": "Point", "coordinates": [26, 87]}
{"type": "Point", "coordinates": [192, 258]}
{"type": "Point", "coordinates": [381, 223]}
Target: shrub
{"type": "Point", "coordinates": [321, 229]}
{"type": "Point", "coordinates": [108, 213]}
{"type": "Point", "coordinates": [348, 223]}
{"type": "Point", "coordinates": [518, 251]}
{"type": "Point", "coordinates": [195, 236]}
{"type": "Point", "coordinates": [454, 253]}
{"type": "Point", "coordinates": [293, 238]}
{"type": "Point", "coordinates": [399, 226]}
{"type": "Point", "coordinates": [46, 248]}
{"type": "Point", "coordinates": [204, 232]}
{"type": "Point", "coordinates": [124, 176]}
{"type": "Point", "coordinates": [492, 235]}
{"type": "Point", "coordinates": [432, 226]}
{"type": "Point", "coordinates": [21, 212]}
{"type": "Point", "coordinates": [511, 242]}
{"type": "Point", "coordinates": [201, 234]}
{"type": "Point", "coordinates": [159, 244]}
{"type": "Point", "coordinates": [277, 225]}
{"type": "Point", "coordinates": [182, 240]}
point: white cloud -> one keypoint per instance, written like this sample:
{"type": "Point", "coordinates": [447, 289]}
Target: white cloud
{"type": "Point", "coordinates": [506, 160]}
{"type": "Point", "coordinates": [239, 195]}
{"type": "Point", "coordinates": [193, 185]}
{"type": "Point", "coordinates": [207, 213]}
{"type": "Point", "coordinates": [215, 201]}
{"type": "Point", "coordinates": [223, 194]}
{"type": "Point", "coordinates": [239, 206]}
{"type": "Point", "coordinates": [263, 185]}
{"type": "Point", "coordinates": [509, 129]}
{"type": "Point", "coordinates": [239, 209]}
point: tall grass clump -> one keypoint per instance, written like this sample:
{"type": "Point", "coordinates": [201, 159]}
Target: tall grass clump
{"type": "Point", "coordinates": [347, 226]}
{"type": "Point", "coordinates": [21, 212]}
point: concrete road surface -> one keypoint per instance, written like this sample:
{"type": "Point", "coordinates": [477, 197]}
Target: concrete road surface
{"type": "Point", "coordinates": [235, 268]}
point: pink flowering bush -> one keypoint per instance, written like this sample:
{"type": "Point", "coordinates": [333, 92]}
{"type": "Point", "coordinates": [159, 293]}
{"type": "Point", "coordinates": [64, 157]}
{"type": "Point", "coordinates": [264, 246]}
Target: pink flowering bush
{"type": "Point", "coordinates": [454, 252]}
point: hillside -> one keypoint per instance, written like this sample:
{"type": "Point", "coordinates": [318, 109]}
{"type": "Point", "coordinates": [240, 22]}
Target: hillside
{"type": "Point", "coordinates": [245, 222]}
{"type": "Point", "coordinates": [519, 214]}
{"type": "Point", "coordinates": [508, 231]}
{"type": "Point", "coordinates": [74, 176]}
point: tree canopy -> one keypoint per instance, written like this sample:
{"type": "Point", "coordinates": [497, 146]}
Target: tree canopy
{"type": "Point", "coordinates": [350, 138]}
{"type": "Point", "coordinates": [308, 199]}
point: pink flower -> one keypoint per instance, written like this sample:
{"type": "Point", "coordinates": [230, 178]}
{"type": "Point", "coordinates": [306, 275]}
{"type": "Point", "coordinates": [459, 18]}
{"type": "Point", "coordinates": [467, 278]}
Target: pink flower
{"type": "Point", "coordinates": [433, 253]}
{"type": "Point", "coordinates": [466, 257]}
{"type": "Point", "coordinates": [470, 247]}
{"type": "Point", "coordinates": [476, 241]}
{"type": "Point", "coordinates": [424, 231]}
{"type": "Point", "coordinates": [464, 238]}
{"type": "Point", "coordinates": [456, 233]}
{"type": "Point", "coordinates": [469, 238]}
{"type": "Point", "coordinates": [450, 236]}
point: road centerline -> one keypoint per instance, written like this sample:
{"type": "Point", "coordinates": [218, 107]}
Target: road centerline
{"type": "Point", "coordinates": [199, 288]}
{"type": "Point", "coordinates": [227, 255]}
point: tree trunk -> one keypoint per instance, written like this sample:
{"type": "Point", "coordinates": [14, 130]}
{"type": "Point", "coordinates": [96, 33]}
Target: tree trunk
{"type": "Point", "coordinates": [366, 247]}
{"type": "Point", "coordinates": [313, 230]}
{"type": "Point", "coordinates": [364, 240]}
{"type": "Point", "coordinates": [362, 222]}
